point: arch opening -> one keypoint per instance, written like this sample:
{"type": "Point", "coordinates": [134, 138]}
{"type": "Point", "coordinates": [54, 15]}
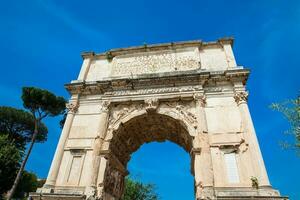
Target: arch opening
{"type": "Point", "coordinates": [147, 128]}
{"type": "Point", "coordinates": [167, 166]}
{"type": "Point", "coordinates": [131, 135]}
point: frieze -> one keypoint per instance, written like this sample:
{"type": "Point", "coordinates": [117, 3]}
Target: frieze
{"type": "Point", "coordinates": [161, 83]}
{"type": "Point", "coordinates": [154, 90]}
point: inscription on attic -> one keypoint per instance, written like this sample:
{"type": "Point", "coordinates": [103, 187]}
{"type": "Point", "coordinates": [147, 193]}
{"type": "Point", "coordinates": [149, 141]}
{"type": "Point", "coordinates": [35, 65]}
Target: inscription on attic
{"type": "Point", "coordinates": [150, 62]}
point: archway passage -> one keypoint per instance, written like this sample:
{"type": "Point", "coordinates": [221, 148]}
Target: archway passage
{"type": "Point", "coordinates": [148, 128]}
{"type": "Point", "coordinates": [167, 166]}
{"type": "Point", "coordinates": [131, 135]}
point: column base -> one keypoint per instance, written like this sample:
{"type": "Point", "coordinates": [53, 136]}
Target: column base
{"type": "Point", "coordinates": [263, 193]}
{"type": "Point", "coordinates": [55, 196]}
{"type": "Point", "coordinates": [207, 193]}
{"type": "Point", "coordinates": [56, 193]}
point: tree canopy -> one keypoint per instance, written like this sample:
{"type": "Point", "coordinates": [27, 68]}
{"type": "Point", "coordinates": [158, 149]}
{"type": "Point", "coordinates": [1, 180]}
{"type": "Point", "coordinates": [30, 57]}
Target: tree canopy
{"type": "Point", "coordinates": [291, 111]}
{"type": "Point", "coordinates": [18, 125]}
{"type": "Point", "coordinates": [29, 183]}
{"type": "Point", "coordinates": [42, 103]}
{"type": "Point", "coordinates": [135, 190]}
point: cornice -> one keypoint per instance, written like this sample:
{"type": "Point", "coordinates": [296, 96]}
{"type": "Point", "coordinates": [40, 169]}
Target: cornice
{"type": "Point", "coordinates": [162, 80]}
{"type": "Point", "coordinates": [157, 47]}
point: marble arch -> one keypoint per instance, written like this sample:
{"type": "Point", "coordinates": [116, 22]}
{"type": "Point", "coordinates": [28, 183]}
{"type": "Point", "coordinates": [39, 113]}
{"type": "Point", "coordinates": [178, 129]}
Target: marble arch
{"type": "Point", "coordinates": [192, 93]}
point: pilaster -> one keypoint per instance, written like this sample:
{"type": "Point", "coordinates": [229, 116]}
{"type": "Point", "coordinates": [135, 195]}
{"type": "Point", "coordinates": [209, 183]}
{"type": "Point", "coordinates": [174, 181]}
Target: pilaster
{"type": "Point", "coordinates": [201, 154]}
{"type": "Point", "coordinates": [241, 98]}
{"type": "Point", "coordinates": [91, 189]}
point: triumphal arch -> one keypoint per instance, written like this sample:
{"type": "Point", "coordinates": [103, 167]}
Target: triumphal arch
{"type": "Point", "coordinates": [191, 93]}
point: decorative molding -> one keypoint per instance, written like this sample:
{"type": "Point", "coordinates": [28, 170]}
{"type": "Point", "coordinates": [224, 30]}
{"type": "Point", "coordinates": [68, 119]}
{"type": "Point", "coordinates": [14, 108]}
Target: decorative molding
{"type": "Point", "coordinates": [78, 152]}
{"type": "Point", "coordinates": [182, 109]}
{"type": "Point", "coordinates": [157, 83]}
{"type": "Point", "coordinates": [72, 107]}
{"type": "Point", "coordinates": [147, 91]}
{"type": "Point", "coordinates": [200, 98]}
{"type": "Point", "coordinates": [104, 106]}
{"type": "Point", "coordinates": [121, 111]}
{"type": "Point", "coordinates": [165, 47]}
{"type": "Point", "coordinates": [241, 97]}
{"type": "Point", "coordinates": [151, 104]}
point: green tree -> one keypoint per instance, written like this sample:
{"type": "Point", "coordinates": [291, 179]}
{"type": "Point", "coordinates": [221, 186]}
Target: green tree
{"type": "Point", "coordinates": [135, 190]}
{"type": "Point", "coordinates": [28, 183]}
{"type": "Point", "coordinates": [291, 111]}
{"type": "Point", "coordinates": [41, 104]}
{"type": "Point", "coordinates": [10, 158]}
{"type": "Point", "coordinates": [19, 126]}
{"type": "Point", "coordinates": [16, 126]}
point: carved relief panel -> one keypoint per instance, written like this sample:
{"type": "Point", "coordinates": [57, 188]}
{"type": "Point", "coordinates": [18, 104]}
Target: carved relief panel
{"type": "Point", "coordinates": [150, 62]}
{"type": "Point", "coordinates": [113, 181]}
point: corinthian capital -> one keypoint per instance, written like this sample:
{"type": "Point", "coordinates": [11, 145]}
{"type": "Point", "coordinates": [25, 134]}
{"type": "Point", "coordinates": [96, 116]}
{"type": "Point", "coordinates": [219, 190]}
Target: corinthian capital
{"type": "Point", "coordinates": [241, 97]}
{"type": "Point", "coordinates": [104, 106]}
{"type": "Point", "coordinates": [200, 98]}
{"type": "Point", "coordinates": [72, 107]}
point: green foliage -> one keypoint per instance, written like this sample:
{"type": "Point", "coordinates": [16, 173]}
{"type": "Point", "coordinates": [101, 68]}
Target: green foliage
{"type": "Point", "coordinates": [9, 162]}
{"type": "Point", "coordinates": [291, 111]}
{"type": "Point", "coordinates": [41, 183]}
{"type": "Point", "coordinates": [135, 190]}
{"type": "Point", "coordinates": [42, 103]}
{"type": "Point", "coordinates": [28, 183]}
{"type": "Point", "coordinates": [19, 126]}
{"type": "Point", "coordinates": [63, 120]}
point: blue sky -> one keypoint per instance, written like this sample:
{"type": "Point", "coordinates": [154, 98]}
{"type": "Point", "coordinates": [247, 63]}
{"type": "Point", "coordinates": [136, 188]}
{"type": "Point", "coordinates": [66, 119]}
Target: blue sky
{"type": "Point", "coordinates": [41, 43]}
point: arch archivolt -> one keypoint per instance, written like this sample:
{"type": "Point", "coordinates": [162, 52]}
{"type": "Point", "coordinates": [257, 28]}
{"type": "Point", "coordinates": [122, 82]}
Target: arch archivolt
{"type": "Point", "coordinates": [183, 111]}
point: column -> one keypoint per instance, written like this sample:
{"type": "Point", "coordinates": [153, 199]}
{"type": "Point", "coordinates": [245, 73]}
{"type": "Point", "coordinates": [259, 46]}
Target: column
{"type": "Point", "coordinates": [203, 168]}
{"type": "Point", "coordinates": [250, 138]}
{"type": "Point", "coordinates": [55, 165]}
{"type": "Point", "coordinates": [101, 133]}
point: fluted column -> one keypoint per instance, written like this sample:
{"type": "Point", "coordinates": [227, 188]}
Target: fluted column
{"type": "Point", "coordinates": [251, 138]}
{"type": "Point", "coordinates": [203, 168]}
{"type": "Point", "coordinates": [101, 133]}
{"type": "Point", "coordinates": [55, 165]}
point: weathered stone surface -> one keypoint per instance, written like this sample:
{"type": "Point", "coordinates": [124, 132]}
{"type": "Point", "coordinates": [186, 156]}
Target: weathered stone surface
{"type": "Point", "coordinates": [190, 93]}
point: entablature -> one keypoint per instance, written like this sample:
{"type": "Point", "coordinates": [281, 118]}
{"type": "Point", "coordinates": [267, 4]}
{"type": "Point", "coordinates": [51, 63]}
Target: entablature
{"type": "Point", "coordinates": [163, 83]}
